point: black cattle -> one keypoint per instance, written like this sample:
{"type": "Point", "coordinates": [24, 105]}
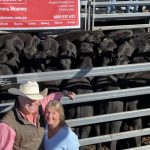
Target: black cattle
{"type": "Point", "coordinates": [50, 47]}
{"type": "Point", "coordinates": [124, 53]}
{"type": "Point", "coordinates": [48, 53]}
{"type": "Point", "coordinates": [85, 48]}
{"type": "Point", "coordinates": [105, 54]}
{"type": "Point", "coordinates": [5, 84]}
{"type": "Point", "coordinates": [94, 37]}
{"type": "Point", "coordinates": [106, 107]}
{"type": "Point", "coordinates": [5, 70]}
{"type": "Point", "coordinates": [132, 52]}
{"type": "Point", "coordinates": [76, 35]}
{"type": "Point", "coordinates": [10, 58]}
{"type": "Point", "coordinates": [79, 86]}
{"type": "Point", "coordinates": [67, 55]}
{"type": "Point", "coordinates": [14, 44]}
{"type": "Point", "coordinates": [138, 32]}
{"type": "Point", "coordinates": [31, 49]}
{"type": "Point", "coordinates": [132, 103]}
{"type": "Point", "coordinates": [120, 36]}
{"type": "Point", "coordinates": [25, 38]}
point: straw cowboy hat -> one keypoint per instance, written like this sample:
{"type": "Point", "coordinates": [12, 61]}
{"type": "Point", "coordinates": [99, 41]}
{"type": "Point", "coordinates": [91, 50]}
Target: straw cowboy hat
{"type": "Point", "coordinates": [30, 90]}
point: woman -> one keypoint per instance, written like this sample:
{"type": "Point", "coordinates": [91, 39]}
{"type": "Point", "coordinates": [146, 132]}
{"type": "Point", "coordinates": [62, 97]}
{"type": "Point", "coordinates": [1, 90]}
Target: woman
{"type": "Point", "coordinates": [58, 136]}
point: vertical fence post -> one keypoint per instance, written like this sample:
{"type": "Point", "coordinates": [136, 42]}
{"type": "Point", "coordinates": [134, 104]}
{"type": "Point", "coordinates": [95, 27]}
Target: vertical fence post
{"type": "Point", "coordinates": [90, 3]}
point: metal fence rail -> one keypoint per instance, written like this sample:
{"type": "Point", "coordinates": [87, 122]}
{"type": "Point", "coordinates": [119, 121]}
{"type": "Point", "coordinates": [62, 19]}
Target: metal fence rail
{"type": "Point", "coordinates": [75, 73]}
{"type": "Point", "coordinates": [108, 117]}
{"type": "Point", "coordinates": [97, 96]}
{"type": "Point", "coordinates": [113, 137]}
{"type": "Point", "coordinates": [118, 27]}
{"type": "Point", "coordinates": [121, 15]}
{"type": "Point", "coordinates": [122, 3]}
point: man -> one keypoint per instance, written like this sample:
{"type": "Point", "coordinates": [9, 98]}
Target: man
{"type": "Point", "coordinates": [22, 127]}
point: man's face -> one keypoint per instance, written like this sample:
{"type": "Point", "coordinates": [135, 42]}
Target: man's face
{"type": "Point", "coordinates": [27, 105]}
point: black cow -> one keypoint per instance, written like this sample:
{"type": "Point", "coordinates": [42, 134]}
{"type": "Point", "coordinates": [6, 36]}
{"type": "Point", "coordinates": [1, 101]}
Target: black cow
{"type": "Point", "coordinates": [106, 107]}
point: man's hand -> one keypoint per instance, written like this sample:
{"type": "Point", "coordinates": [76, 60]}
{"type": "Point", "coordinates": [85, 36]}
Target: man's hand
{"type": "Point", "coordinates": [69, 94]}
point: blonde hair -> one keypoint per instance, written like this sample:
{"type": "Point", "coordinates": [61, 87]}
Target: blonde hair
{"type": "Point", "coordinates": [55, 104]}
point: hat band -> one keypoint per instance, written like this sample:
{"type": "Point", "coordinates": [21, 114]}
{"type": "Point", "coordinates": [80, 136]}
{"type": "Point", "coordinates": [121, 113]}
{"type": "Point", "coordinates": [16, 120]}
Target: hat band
{"type": "Point", "coordinates": [31, 93]}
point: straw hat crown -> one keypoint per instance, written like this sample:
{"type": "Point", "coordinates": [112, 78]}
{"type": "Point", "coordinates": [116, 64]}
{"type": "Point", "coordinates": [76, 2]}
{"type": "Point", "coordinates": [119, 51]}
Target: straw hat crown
{"type": "Point", "coordinates": [29, 89]}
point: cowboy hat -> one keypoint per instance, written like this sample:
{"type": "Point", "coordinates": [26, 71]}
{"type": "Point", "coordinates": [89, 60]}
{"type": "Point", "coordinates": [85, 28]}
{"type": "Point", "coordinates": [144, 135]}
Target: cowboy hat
{"type": "Point", "coordinates": [30, 90]}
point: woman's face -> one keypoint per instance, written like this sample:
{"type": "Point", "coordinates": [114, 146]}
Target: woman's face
{"type": "Point", "coordinates": [28, 106]}
{"type": "Point", "coordinates": [52, 117]}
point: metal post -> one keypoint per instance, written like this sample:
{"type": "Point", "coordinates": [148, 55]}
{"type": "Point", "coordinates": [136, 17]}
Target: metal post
{"type": "Point", "coordinates": [93, 16]}
{"type": "Point", "coordinates": [86, 12]}
{"type": "Point", "coordinates": [90, 3]}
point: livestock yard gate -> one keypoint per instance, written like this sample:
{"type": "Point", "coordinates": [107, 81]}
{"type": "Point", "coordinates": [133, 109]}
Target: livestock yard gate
{"type": "Point", "coordinates": [98, 96]}
{"type": "Point", "coordinates": [115, 14]}
{"type": "Point", "coordinates": [105, 15]}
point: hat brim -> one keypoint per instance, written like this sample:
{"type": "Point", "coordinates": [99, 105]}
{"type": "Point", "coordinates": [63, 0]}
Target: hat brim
{"type": "Point", "coordinates": [16, 91]}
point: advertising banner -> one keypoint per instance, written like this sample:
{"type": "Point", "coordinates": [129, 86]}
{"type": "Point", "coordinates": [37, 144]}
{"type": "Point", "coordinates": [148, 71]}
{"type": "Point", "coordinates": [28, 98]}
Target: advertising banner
{"type": "Point", "coordinates": [39, 14]}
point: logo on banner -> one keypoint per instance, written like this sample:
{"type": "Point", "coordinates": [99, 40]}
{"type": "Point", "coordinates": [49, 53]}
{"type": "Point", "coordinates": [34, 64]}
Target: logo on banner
{"type": "Point", "coordinates": [8, 81]}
